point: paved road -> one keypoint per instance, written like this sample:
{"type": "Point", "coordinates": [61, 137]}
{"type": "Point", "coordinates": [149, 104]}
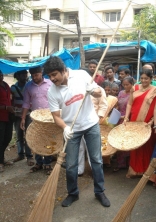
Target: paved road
{"type": "Point", "coordinates": [118, 187]}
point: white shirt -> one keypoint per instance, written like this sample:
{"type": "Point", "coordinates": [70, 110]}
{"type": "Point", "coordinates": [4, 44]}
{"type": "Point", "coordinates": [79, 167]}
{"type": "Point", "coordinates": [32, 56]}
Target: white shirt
{"type": "Point", "coordinates": [69, 98]}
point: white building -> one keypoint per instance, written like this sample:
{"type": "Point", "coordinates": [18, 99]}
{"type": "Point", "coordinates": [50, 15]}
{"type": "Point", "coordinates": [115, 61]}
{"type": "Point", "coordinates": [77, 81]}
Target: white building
{"type": "Point", "coordinates": [98, 19]}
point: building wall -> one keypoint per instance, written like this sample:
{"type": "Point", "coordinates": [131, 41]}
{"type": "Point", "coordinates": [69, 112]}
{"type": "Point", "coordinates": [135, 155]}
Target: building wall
{"type": "Point", "coordinates": [91, 26]}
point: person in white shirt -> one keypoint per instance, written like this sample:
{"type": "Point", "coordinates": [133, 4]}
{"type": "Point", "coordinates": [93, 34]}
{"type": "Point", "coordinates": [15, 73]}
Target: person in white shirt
{"type": "Point", "coordinates": [67, 93]}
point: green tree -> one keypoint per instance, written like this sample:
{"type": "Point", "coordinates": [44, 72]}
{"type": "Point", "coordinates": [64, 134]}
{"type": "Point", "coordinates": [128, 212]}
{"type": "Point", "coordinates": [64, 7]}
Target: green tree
{"type": "Point", "coordinates": [145, 22]}
{"type": "Point", "coordinates": [9, 9]}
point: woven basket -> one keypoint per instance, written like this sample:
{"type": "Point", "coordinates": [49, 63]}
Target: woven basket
{"type": "Point", "coordinates": [129, 137]}
{"type": "Point", "coordinates": [44, 139]}
{"type": "Point", "coordinates": [42, 116]}
{"type": "Point", "coordinates": [107, 149]}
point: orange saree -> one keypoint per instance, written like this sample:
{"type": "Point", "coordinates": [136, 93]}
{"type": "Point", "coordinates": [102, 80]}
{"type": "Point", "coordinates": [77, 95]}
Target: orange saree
{"type": "Point", "coordinates": [142, 110]}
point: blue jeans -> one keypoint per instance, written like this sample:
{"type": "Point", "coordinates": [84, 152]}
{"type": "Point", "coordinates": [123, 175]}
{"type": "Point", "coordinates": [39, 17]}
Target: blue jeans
{"type": "Point", "coordinates": [46, 160]}
{"type": "Point", "coordinates": [22, 146]}
{"type": "Point", "coordinates": [93, 140]}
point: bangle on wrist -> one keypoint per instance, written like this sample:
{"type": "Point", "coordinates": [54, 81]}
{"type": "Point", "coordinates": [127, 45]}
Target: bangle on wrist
{"type": "Point", "coordinates": [126, 119]}
{"type": "Point", "coordinates": [154, 127]}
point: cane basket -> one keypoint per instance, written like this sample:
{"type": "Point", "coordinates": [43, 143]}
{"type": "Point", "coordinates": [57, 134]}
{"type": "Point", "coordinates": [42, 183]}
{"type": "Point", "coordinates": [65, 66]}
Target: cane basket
{"type": "Point", "coordinates": [43, 136]}
{"type": "Point", "coordinates": [106, 148]}
{"type": "Point", "coordinates": [129, 137]}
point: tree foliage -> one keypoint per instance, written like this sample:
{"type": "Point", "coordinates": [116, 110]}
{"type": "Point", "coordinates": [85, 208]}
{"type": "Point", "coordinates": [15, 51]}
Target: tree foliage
{"type": "Point", "coordinates": [145, 22]}
{"type": "Point", "coordinates": [8, 8]}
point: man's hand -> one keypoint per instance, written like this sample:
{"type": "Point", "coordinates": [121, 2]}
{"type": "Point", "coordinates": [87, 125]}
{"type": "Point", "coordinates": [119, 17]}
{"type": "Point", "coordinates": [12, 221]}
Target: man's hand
{"type": "Point", "coordinates": [22, 124]}
{"type": "Point", "coordinates": [67, 133]}
{"type": "Point", "coordinates": [90, 88]}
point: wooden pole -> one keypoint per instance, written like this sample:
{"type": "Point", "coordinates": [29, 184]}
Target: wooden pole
{"type": "Point", "coordinates": [139, 51]}
{"type": "Point", "coordinates": [82, 53]}
{"type": "Point", "coordinates": [47, 40]}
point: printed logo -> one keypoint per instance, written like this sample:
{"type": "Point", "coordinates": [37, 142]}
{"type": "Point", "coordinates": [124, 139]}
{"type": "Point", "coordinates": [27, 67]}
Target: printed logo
{"type": "Point", "coordinates": [74, 99]}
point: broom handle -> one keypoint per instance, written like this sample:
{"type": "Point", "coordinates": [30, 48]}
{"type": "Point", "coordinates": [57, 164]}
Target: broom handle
{"type": "Point", "coordinates": [102, 57]}
{"type": "Point", "coordinates": [127, 207]}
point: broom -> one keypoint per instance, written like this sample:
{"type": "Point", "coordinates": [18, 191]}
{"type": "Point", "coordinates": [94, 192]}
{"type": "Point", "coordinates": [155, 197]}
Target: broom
{"type": "Point", "coordinates": [127, 207]}
{"type": "Point", "coordinates": [44, 205]}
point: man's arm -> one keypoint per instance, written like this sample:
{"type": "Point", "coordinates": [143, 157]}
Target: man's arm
{"type": "Point", "coordinates": [58, 120]}
{"type": "Point", "coordinates": [96, 93]}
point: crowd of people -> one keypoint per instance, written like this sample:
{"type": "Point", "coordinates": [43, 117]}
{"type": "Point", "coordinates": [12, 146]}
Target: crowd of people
{"type": "Point", "coordinates": [63, 89]}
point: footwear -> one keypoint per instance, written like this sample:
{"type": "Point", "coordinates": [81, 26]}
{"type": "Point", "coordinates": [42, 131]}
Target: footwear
{"type": "Point", "coordinates": [30, 161]}
{"type": "Point", "coordinates": [36, 168]}
{"type": "Point", "coordinates": [48, 169]}
{"type": "Point", "coordinates": [69, 200]}
{"type": "Point", "coordinates": [8, 163]}
{"type": "Point", "coordinates": [80, 175]}
{"type": "Point", "coordinates": [1, 168]}
{"type": "Point", "coordinates": [18, 159]}
{"type": "Point", "coordinates": [103, 199]}
{"type": "Point", "coordinates": [116, 169]}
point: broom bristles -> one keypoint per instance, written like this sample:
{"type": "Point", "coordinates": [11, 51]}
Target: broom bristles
{"type": "Point", "coordinates": [127, 207]}
{"type": "Point", "coordinates": [44, 204]}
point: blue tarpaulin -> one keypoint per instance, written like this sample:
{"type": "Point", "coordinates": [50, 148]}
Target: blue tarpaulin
{"type": "Point", "coordinates": [71, 57]}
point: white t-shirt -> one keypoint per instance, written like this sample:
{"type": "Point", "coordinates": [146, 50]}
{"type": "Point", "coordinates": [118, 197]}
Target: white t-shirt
{"type": "Point", "coordinates": [69, 98]}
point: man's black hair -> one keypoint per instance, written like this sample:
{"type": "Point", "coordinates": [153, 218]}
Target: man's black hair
{"type": "Point", "coordinates": [1, 72]}
{"type": "Point", "coordinates": [54, 63]}
{"type": "Point", "coordinates": [127, 71]}
{"type": "Point", "coordinates": [21, 72]}
{"type": "Point", "coordinates": [86, 69]}
{"type": "Point", "coordinates": [109, 67]}
{"type": "Point", "coordinates": [93, 61]}
{"type": "Point", "coordinates": [115, 64]}
{"type": "Point", "coordinates": [34, 70]}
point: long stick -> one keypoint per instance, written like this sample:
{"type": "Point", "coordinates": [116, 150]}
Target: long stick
{"type": "Point", "coordinates": [102, 57]}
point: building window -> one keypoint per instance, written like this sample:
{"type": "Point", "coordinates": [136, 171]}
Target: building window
{"type": "Point", "coordinates": [36, 14]}
{"type": "Point", "coordinates": [69, 18]}
{"type": "Point", "coordinates": [55, 15]}
{"type": "Point", "coordinates": [15, 16]}
{"type": "Point", "coordinates": [72, 43]}
{"type": "Point", "coordinates": [112, 16]}
{"type": "Point", "coordinates": [104, 40]}
{"type": "Point", "coordinates": [137, 11]}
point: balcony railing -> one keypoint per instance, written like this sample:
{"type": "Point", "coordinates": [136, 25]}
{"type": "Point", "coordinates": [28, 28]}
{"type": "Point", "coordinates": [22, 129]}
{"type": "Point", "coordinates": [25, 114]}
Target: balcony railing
{"type": "Point", "coordinates": [55, 18]}
{"type": "Point", "coordinates": [69, 21]}
{"type": "Point", "coordinates": [74, 45]}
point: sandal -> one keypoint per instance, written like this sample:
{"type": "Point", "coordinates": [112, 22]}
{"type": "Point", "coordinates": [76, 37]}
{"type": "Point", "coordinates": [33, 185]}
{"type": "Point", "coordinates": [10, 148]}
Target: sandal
{"type": "Point", "coordinates": [30, 161]}
{"type": "Point", "coordinates": [18, 158]}
{"type": "Point", "coordinates": [8, 163]}
{"type": "Point", "coordinates": [116, 169]}
{"type": "Point", "coordinates": [36, 168]}
{"type": "Point", "coordinates": [48, 169]}
{"type": "Point", "coordinates": [1, 168]}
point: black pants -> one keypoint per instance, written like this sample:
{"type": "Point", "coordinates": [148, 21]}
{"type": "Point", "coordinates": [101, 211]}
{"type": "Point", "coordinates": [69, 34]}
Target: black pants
{"type": "Point", "coordinates": [5, 137]}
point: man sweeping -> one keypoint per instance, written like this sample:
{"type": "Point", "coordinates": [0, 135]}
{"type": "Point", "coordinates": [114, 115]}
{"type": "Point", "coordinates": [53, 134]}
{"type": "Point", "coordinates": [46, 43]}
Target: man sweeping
{"type": "Point", "coordinates": [67, 93]}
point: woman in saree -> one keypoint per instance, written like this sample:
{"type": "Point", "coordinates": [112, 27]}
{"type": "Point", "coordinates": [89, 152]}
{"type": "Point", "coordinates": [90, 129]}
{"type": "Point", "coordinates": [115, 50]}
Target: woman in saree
{"type": "Point", "coordinates": [123, 98]}
{"type": "Point", "coordinates": [140, 108]}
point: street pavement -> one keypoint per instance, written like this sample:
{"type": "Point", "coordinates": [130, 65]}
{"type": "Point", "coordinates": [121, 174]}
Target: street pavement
{"type": "Point", "coordinates": [118, 188]}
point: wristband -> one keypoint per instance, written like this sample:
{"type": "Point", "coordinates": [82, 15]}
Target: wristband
{"type": "Point", "coordinates": [154, 127]}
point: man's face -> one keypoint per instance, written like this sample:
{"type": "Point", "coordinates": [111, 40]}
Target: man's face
{"type": "Point", "coordinates": [57, 77]}
{"type": "Point", "coordinates": [116, 68]}
{"type": "Point", "coordinates": [122, 75]}
{"type": "Point", "coordinates": [37, 77]}
{"type": "Point", "coordinates": [109, 74]}
{"type": "Point", "coordinates": [23, 78]}
{"type": "Point", "coordinates": [92, 68]}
